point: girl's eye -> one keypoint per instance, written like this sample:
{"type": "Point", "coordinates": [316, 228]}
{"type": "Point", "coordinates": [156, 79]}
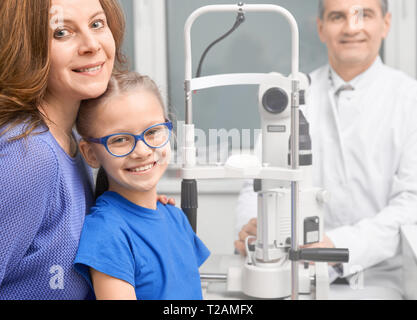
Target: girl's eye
{"type": "Point", "coordinates": [121, 140]}
{"type": "Point", "coordinates": [118, 140]}
{"type": "Point", "coordinates": [61, 33]}
{"type": "Point", "coordinates": [152, 132]}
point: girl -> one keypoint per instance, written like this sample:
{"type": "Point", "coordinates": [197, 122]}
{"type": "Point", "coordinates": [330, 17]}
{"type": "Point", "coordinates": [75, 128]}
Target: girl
{"type": "Point", "coordinates": [133, 247]}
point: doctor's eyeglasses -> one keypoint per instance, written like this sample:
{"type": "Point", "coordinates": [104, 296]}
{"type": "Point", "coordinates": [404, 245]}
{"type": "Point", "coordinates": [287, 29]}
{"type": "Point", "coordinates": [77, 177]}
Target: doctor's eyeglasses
{"type": "Point", "coordinates": [122, 144]}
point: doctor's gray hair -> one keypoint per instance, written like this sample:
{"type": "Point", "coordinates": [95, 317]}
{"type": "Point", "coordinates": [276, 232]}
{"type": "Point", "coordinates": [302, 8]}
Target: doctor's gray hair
{"type": "Point", "coordinates": [384, 8]}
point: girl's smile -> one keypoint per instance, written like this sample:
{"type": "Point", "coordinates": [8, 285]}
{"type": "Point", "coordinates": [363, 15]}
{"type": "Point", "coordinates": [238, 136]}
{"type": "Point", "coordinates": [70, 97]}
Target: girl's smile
{"type": "Point", "coordinates": [143, 169]}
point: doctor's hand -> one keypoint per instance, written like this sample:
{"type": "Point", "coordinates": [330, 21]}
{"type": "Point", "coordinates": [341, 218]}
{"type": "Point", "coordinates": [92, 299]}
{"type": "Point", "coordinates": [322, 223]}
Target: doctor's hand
{"type": "Point", "coordinates": [247, 230]}
{"type": "Point", "coordinates": [326, 243]}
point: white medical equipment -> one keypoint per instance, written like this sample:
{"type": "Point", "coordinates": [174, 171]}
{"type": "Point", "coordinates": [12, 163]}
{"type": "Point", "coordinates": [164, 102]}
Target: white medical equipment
{"type": "Point", "coordinates": [288, 204]}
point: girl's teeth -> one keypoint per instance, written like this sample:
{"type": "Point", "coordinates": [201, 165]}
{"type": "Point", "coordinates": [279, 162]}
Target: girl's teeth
{"type": "Point", "coordinates": [142, 168]}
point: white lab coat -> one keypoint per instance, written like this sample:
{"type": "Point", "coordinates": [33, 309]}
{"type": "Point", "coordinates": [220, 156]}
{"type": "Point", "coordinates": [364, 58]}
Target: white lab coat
{"type": "Point", "coordinates": [365, 154]}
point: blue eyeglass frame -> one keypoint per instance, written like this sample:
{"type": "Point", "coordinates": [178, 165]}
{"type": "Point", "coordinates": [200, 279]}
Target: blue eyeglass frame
{"type": "Point", "coordinates": [138, 137]}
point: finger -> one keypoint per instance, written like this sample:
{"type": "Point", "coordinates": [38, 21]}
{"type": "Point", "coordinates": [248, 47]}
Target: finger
{"type": "Point", "coordinates": [171, 201]}
{"type": "Point", "coordinates": [240, 247]}
{"type": "Point", "coordinates": [162, 199]}
{"type": "Point", "coordinates": [250, 229]}
{"type": "Point", "coordinates": [243, 235]}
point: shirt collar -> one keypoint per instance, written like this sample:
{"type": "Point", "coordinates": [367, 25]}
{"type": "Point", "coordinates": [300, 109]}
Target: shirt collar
{"type": "Point", "coordinates": [360, 81]}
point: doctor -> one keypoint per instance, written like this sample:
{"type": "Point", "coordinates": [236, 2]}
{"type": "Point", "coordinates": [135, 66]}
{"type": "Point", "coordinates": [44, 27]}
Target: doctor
{"type": "Point", "coordinates": [363, 121]}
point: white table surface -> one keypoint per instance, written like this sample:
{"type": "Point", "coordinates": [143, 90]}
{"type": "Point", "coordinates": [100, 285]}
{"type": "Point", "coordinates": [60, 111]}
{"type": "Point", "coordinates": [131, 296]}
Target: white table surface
{"type": "Point", "coordinates": [217, 290]}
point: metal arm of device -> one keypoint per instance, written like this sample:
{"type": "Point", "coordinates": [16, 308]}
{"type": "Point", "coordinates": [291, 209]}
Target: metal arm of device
{"type": "Point", "coordinates": [320, 255]}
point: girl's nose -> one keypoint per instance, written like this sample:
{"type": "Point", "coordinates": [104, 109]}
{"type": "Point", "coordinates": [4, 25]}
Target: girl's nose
{"type": "Point", "coordinates": [142, 151]}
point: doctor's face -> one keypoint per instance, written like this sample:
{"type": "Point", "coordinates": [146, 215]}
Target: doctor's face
{"type": "Point", "coordinates": [353, 31]}
{"type": "Point", "coordinates": [82, 50]}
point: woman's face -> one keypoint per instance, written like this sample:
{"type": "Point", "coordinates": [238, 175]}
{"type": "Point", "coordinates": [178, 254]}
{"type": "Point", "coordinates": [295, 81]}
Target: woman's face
{"type": "Point", "coordinates": [82, 50]}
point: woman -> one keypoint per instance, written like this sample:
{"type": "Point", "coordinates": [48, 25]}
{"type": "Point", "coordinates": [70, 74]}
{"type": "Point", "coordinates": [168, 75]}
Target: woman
{"type": "Point", "coordinates": [53, 54]}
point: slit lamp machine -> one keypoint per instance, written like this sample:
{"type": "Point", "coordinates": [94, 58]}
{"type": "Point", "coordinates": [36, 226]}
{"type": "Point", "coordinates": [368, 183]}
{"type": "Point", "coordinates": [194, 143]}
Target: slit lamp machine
{"type": "Point", "coordinates": [290, 208]}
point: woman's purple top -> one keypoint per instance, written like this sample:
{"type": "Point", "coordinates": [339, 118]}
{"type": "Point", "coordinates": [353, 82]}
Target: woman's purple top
{"type": "Point", "coordinates": [44, 197]}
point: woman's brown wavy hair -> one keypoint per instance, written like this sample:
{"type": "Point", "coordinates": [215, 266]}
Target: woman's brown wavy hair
{"type": "Point", "coordinates": [24, 58]}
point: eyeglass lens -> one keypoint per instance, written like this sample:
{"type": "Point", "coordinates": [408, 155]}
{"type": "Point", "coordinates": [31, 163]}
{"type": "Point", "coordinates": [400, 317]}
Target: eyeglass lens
{"type": "Point", "coordinates": [124, 143]}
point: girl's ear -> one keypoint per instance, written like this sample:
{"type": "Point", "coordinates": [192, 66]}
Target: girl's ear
{"type": "Point", "coordinates": [89, 154]}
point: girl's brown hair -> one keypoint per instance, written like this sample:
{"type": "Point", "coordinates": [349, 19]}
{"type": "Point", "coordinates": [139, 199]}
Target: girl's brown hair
{"type": "Point", "coordinates": [25, 62]}
{"type": "Point", "coordinates": [119, 84]}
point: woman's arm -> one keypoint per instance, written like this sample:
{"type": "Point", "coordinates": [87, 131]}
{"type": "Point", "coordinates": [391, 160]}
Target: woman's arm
{"type": "Point", "coordinates": [28, 171]}
{"type": "Point", "coordinates": [110, 288]}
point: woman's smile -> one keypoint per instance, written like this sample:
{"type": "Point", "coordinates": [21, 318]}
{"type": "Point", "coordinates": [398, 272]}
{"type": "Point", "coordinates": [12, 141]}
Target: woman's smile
{"type": "Point", "coordinates": [90, 70]}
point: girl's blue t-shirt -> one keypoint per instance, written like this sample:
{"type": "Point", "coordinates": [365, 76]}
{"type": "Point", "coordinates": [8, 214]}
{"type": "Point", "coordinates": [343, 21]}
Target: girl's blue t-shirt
{"type": "Point", "coordinates": [156, 251]}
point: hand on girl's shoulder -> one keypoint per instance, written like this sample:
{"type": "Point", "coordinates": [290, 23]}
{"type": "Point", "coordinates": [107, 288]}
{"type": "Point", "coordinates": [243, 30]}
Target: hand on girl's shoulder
{"type": "Point", "coordinates": [164, 200]}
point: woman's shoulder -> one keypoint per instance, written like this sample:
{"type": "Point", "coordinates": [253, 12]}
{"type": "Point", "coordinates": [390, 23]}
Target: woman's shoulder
{"type": "Point", "coordinates": [39, 138]}
{"type": "Point", "coordinates": [28, 167]}
{"type": "Point", "coordinates": [35, 150]}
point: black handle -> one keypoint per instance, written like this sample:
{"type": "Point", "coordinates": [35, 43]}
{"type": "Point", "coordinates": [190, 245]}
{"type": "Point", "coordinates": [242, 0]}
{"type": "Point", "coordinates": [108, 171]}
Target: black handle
{"type": "Point", "coordinates": [189, 203]}
{"type": "Point", "coordinates": [320, 255]}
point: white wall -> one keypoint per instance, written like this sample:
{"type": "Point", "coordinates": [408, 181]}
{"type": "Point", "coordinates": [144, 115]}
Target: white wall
{"type": "Point", "coordinates": [150, 41]}
{"type": "Point", "coordinates": [400, 48]}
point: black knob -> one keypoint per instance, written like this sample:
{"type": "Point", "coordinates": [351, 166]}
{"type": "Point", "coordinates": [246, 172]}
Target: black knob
{"type": "Point", "coordinates": [275, 100]}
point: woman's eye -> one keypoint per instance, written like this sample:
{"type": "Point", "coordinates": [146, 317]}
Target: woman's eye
{"type": "Point", "coordinates": [98, 24]}
{"type": "Point", "coordinates": [61, 33]}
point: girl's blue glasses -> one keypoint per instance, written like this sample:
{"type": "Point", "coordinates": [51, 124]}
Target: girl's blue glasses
{"type": "Point", "coordinates": [122, 144]}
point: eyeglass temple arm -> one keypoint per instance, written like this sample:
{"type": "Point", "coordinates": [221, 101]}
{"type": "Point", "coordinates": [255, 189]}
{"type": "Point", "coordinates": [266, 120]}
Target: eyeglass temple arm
{"type": "Point", "coordinates": [94, 140]}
